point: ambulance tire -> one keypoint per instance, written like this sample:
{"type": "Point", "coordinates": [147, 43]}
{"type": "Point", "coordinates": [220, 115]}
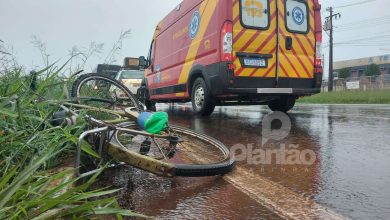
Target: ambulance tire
{"type": "Point", "coordinates": [283, 104]}
{"type": "Point", "coordinates": [144, 97]}
{"type": "Point", "coordinates": [151, 106]}
{"type": "Point", "coordinates": [202, 101]}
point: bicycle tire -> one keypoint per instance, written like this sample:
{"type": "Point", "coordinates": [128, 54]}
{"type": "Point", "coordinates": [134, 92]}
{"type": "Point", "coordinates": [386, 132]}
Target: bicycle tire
{"type": "Point", "coordinates": [75, 91]}
{"type": "Point", "coordinates": [168, 169]}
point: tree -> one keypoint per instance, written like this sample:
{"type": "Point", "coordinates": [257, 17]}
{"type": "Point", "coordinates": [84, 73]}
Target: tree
{"type": "Point", "coordinates": [373, 70]}
{"type": "Point", "coordinates": [345, 73]}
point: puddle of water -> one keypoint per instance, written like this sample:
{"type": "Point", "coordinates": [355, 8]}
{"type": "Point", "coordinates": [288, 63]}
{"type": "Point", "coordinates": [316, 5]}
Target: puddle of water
{"type": "Point", "coordinates": [182, 198]}
{"type": "Point", "coordinates": [349, 175]}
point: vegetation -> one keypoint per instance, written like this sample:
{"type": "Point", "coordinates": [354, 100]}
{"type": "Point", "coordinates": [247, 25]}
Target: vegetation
{"type": "Point", "coordinates": [31, 185]}
{"type": "Point", "coordinates": [345, 73]}
{"type": "Point", "coordinates": [349, 97]}
{"type": "Point", "coordinates": [373, 70]}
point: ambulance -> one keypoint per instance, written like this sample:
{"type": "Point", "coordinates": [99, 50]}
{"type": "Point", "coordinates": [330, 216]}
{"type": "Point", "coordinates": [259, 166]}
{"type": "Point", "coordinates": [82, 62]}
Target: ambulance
{"type": "Point", "coordinates": [236, 52]}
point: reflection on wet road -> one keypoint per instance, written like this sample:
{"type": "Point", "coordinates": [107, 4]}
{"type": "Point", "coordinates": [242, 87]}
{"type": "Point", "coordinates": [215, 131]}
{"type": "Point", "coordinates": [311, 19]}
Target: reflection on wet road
{"type": "Point", "coordinates": [349, 174]}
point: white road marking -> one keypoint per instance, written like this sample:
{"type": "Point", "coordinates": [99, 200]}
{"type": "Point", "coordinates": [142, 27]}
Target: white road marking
{"type": "Point", "coordinates": [277, 198]}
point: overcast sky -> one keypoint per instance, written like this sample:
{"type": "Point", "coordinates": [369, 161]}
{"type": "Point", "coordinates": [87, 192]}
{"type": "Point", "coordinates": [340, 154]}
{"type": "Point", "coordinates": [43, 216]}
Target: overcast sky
{"type": "Point", "coordinates": [62, 24]}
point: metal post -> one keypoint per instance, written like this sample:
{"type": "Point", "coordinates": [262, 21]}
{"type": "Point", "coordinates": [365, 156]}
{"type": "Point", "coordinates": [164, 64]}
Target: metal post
{"type": "Point", "coordinates": [330, 88]}
{"type": "Point", "coordinates": [330, 28]}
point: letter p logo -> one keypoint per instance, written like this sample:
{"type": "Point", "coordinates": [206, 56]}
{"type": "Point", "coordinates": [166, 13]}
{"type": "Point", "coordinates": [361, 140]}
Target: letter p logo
{"type": "Point", "coordinates": [268, 133]}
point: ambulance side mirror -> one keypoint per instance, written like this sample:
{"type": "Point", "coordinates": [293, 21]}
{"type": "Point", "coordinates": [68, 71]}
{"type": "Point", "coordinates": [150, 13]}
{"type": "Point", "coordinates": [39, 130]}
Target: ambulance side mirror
{"type": "Point", "coordinates": [142, 62]}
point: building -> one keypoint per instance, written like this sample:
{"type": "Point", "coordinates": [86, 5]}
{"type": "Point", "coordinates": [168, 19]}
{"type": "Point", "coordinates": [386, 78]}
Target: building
{"type": "Point", "coordinates": [359, 66]}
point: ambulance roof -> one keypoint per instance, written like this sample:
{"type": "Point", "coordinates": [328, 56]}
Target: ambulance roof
{"type": "Point", "coordinates": [183, 8]}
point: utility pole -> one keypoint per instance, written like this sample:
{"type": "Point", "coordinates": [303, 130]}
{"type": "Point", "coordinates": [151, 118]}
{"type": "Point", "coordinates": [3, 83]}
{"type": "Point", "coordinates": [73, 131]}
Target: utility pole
{"type": "Point", "coordinates": [329, 27]}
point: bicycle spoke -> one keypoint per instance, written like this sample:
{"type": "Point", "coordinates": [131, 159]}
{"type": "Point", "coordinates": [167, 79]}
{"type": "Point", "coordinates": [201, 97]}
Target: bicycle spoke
{"type": "Point", "coordinates": [161, 150]}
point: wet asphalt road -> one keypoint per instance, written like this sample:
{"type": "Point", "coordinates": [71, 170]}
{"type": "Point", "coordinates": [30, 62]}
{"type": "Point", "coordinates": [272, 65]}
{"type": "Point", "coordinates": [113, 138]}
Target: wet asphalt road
{"type": "Point", "coordinates": [344, 171]}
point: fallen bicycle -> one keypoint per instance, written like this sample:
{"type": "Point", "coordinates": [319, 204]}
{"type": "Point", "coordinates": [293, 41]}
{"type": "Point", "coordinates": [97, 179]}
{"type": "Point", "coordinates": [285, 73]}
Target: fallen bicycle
{"type": "Point", "coordinates": [121, 132]}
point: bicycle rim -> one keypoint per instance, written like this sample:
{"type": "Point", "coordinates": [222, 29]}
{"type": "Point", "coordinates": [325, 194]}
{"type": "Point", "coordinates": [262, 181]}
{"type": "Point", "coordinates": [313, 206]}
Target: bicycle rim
{"type": "Point", "coordinates": [101, 91]}
{"type": "Point", "coordinates": [196, 155]}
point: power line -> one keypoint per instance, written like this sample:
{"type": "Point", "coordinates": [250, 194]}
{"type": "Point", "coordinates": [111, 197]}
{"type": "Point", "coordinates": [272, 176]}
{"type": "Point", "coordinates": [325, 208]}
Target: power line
{"type": "Point", "coordinates": [354, 4]}
{"type": "Point", "coordinates": [364, 23]}
{"type": "Point", "coordinates": [368, 38]}
{"type": "Point", "coordinates": [378, 40]}
{"type": "Point", "coordinates": [359, 45]}
{"type": "Point", "coordinates": [345, 2]}
{"type": "Point", "coordinates": [356, 28]}
{"type": "Point", "coordinates": [385, 18]}
{"type": "Point", "coordinates": [369, 23]}
{"type": "Point", "coordinates": [363, 44]}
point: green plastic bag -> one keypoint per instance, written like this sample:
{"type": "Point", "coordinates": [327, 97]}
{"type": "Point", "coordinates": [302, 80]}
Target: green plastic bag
{"type": "Point", "coordinates": [153, 123]}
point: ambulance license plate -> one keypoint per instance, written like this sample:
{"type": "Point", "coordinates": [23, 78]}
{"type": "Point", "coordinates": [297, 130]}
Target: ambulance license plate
{"type": "Point", "coordinates": [257, 62]}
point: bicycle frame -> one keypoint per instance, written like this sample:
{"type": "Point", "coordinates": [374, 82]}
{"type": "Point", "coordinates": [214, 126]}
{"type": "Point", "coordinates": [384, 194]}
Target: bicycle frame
{"type": "Point", "coordinates": [119, 152]}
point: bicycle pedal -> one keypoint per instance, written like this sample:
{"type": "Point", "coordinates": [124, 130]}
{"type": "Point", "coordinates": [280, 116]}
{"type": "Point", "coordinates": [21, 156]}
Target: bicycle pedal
{"type": "Point", "coordinates": [145, 147]}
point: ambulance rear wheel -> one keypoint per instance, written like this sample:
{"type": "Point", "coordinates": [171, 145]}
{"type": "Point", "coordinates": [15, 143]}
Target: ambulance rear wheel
{"type": "Point", "coordinates": [283, 104]}
{"type": "Point", "coordinates": [202, 101]}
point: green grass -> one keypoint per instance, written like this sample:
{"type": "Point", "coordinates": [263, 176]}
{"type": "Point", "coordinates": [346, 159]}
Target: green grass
{"type": "Point", "coordinates": [349, 97]}
{"type": "Point", "coordinates": [31, 147]}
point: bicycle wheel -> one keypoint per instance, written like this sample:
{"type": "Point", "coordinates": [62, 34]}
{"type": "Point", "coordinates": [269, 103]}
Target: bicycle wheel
{"type": "Point", "coordinates": [100, 91]}
{"type": "Point", "coordinates": [178, 152]}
